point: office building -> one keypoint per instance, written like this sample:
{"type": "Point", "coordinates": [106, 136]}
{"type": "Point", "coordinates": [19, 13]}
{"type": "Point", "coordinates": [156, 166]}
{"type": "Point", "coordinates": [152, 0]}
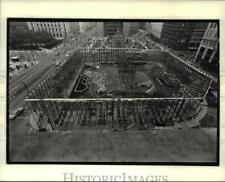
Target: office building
{"type": "Point", "coordinates": [208, 49]}
{"type": "Point", "coordinates": [154, 28]}
{"type": "Point", "coordinates": [74, 28]}
{"type": "Point", "coordinates": [176, 35]}
{"type": "Point", "coordinates": [111, 28]}
{"type": "Point", "coordinates": [197, 34]}
{"type": "Point", "coordinates": [58, 30]}
{"type": "Point", "coordinates": [94, 29]}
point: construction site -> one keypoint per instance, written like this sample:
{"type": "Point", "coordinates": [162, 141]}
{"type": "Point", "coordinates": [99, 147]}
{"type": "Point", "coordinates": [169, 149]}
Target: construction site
{"type": "Point", "coordinates": [120, 89]}
{"type": "Point", "coordinates": [112, 91]}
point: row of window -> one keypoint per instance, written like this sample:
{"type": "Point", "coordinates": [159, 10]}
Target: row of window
{"type": "Point", "coordinates": [56, 34]}
{"type": "Point", "coordinates": [47, 24]}
{"type": "Point", "coordinates": [47, 29]}
{"type": "Point", "coordinates": [59, 28]}
{"type": "Point", "coordinates": [53, 34]}
{"type": "Point", "coordinates": [193, 39]}
{"type": "Point", "coordinates": [199, 34]}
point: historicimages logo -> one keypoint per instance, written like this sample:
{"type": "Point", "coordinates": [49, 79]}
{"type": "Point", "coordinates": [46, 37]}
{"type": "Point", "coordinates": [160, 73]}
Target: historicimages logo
{"type": "Point", "coordinates": [119, 177]}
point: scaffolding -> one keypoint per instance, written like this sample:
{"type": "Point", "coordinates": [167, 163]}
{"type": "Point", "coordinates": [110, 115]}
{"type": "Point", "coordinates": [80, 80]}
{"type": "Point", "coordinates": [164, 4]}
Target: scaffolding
{"type": "Point", "coordinates": [51, 98]}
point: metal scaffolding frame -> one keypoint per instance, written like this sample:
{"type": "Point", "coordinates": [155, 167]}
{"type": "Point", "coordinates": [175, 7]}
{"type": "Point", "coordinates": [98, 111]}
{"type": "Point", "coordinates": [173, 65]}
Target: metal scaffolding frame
{"type": "Point", "coordinates": [63, 113]}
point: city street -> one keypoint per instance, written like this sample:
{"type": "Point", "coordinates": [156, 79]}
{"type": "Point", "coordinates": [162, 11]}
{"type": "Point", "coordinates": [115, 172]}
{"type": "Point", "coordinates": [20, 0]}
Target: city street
{"type": "Point", "coordinates": [31, 78]}
{"type": "Point", "coordinates": [34, 75]}
{"type": "Point", "coordinates": [109, 83]}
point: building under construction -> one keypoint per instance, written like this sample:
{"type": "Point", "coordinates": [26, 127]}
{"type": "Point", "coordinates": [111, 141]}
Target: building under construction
{"type": "Point", "coordinates": [120, 88]}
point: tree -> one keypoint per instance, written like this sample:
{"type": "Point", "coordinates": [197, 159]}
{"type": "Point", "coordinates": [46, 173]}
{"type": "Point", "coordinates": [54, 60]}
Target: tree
{"type": "Point", "coordinates": [20, 37]}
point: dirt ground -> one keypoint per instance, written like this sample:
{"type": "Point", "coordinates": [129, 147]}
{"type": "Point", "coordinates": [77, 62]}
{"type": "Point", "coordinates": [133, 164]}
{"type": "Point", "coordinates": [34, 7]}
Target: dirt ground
{"type": "Point", "coordinates": [193, 145]}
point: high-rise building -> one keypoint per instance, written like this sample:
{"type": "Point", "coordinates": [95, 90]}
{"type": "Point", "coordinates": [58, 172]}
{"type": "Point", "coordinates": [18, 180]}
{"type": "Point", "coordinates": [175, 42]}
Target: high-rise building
{"type": "Point", "coordinates": [108, 28]}
{"type": "Point", "coordinates": [176, 35]}
{"type": "Point", "coordinates": [154, 28]}
{"type": "Point", "coordinates": [208, 49]}
{"type": "Point", "coordinates": [134, 27]}
{"type": "Point", "coordinates": [85, 26]}
{"type": "Point", "coordinates": [59, 30]}
{"type": "Point", "coordinates": [118, 40]}
{"type": "Point", "coordinates": [94, 29]}
{"type": "Point", "coordinates": [74, 28]}
{"type": "Point", "coordinates": [197, 34]}
{"type": "Point", "coordinates": [111, 28]}
{"type": "Point", "coordinates": [131, 28]}
{"type": "Point", "coordinates": [127, 28]}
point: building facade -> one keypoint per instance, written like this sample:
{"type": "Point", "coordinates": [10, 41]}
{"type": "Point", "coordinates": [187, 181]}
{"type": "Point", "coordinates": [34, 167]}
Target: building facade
{"type": "Point", "coordinates": [197, 35]}
{"type": "Point", "coordinates": [74, 28]}
{"type": "Point", "coordinates": [118, 40]}
{"type": "Point", "coordinates": [208, 52]}
{"type": "Point", "coordinates": [154, 28]}
{"type": "Point", "coordinates": [134, 28]}
{"type": "Point", "coordinates": [176, 35]}
{"type": "Point", "coordinates": [108, 28]}
{"type": "Point", "coordinates": [111, 28]}
{"type": "Point", "coordinates": [94, 29]}
{"type": "Point", "coordinates": [58, 30]}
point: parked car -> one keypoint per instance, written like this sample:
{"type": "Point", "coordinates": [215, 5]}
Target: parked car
{"type": "Point", "coordinates": [16, 113]}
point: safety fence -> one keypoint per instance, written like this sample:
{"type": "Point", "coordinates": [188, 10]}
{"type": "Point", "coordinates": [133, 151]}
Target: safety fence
{"type": "Point", "coordinates": [116, 114]}
{"type": "Point", "coordinates": [51, 102]}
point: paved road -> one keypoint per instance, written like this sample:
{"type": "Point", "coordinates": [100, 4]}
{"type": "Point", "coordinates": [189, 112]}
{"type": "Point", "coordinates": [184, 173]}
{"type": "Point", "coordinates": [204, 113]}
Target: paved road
{"type": "Point", "coordinates": [34, 75]}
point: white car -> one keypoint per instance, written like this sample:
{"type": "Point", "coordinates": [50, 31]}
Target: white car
{"type": "Point", "coordinates": [16, 113]}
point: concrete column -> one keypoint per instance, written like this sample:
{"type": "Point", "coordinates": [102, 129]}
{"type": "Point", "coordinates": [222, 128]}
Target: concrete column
{"type": "Point", "coordinates": [204, 53]}
{"type": "Point", "coordinates": [196, 55]}
{"type": "Point", "coordinates": [212, 56]}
